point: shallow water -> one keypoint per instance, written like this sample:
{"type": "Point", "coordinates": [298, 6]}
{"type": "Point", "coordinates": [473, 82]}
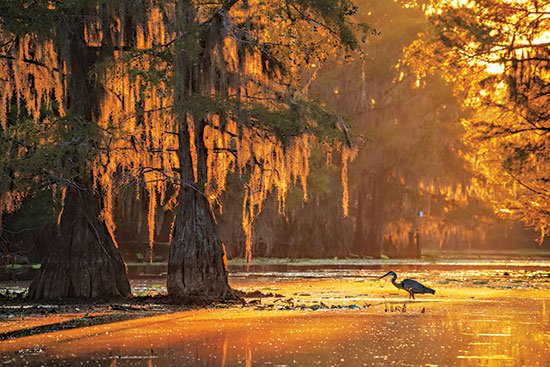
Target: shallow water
{"type": "Point", "coordinates": [355, 266]}
{"type": "Point", "coordinates": [488, 316]}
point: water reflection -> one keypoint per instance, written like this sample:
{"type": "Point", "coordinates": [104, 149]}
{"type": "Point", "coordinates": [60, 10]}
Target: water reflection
{"type": "Point", "coordinates": [353, 267]}
{"type": "Point", "coordinates": [511, 331]}
{"type": "Point", "coordinates": [482, 314]}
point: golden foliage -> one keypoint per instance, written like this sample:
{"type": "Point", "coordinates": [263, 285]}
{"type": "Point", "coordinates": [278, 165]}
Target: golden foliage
{"type": "Point", "coordinates": [223, 78]}
{"type": "Point", "coordinates": [496, 55]}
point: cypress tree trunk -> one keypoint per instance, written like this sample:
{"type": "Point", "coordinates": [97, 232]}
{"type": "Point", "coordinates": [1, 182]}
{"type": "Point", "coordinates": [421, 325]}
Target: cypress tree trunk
{"type": "Point", "coordinates": [370, 217]}
{"type": "Point", "coordinates": [196, 266]}
{"type": "Point", "coordinates": [84, 261]}
{"type": "Point", "coordinates": [360, 240]}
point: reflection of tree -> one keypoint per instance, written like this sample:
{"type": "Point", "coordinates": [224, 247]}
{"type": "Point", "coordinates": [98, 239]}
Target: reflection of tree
{"type": "Point", "coordinates": [497, 55]}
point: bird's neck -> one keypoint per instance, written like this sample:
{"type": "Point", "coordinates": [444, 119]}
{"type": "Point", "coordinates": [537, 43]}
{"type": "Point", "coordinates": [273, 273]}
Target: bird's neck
{"type": "Point", "coordinates": [393, 280]}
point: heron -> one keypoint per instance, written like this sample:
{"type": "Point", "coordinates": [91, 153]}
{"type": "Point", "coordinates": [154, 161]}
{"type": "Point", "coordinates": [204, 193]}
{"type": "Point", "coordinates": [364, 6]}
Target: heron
{"type": "Point", "coordinates": [409, 285]}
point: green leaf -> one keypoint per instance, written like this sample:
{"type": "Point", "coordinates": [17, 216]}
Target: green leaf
{"type": "Point", "coordinates": [139, 256]}
{"type": "Point", "coordinates": [385, 257]}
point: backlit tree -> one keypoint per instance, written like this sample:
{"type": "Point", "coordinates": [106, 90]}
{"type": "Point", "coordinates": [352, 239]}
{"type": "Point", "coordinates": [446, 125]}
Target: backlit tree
{"type": "Point", "coordinates": [412, 159]}
{"type": "Point", "coordinates": [44, 64]}
{"type": "Point", "coordinates": [497, 55]}
{"type": "Point", "coordinates": [182, 93]}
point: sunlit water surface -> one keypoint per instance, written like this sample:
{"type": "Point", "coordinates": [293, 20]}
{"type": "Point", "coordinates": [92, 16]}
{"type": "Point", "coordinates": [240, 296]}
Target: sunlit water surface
{"type": "Point", "coordinates": [488, 315]}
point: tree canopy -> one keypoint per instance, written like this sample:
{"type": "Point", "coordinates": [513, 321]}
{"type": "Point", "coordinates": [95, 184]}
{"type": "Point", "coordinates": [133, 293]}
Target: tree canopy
{"type": "Point", "coordinates": [410, 176]}
{"type": "Point", "coordinates": [180, 94]}
{"type": "Point", "coordinates": [496, 54]}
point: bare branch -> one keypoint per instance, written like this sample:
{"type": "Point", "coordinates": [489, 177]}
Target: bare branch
{"type": "Point", "coordinates": [29, 61]}
{"type": "Point", "coordinates": [522, 183]}
{"type": "Point", "coordinates": [344, 130]}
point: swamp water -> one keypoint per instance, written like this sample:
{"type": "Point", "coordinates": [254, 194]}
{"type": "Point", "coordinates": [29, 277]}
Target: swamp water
{"type": "Point", "coordinates": [484, 313]}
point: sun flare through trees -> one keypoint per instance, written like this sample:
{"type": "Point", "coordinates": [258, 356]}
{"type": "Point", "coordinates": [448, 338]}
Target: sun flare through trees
{"type": "Point", "coordinates": [496, 54]}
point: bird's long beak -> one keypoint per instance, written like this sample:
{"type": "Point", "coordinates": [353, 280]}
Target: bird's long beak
{"type": "Point", "coordinates": [385, 275]}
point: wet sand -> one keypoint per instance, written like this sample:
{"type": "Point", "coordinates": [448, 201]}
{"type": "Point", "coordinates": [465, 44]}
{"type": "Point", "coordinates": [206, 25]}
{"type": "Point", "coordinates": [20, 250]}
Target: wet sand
{"type": "Point", "coordinates": [481, 316]}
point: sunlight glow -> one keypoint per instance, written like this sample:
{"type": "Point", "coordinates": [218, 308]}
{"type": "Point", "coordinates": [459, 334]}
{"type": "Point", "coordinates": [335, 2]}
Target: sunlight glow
{"type": "Point", "coordinates": [494, 68]}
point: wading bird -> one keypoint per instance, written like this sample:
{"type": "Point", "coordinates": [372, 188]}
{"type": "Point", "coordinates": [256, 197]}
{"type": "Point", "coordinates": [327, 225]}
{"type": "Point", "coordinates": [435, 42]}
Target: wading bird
{"type": "Point", "coordinates": [409, 285]}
